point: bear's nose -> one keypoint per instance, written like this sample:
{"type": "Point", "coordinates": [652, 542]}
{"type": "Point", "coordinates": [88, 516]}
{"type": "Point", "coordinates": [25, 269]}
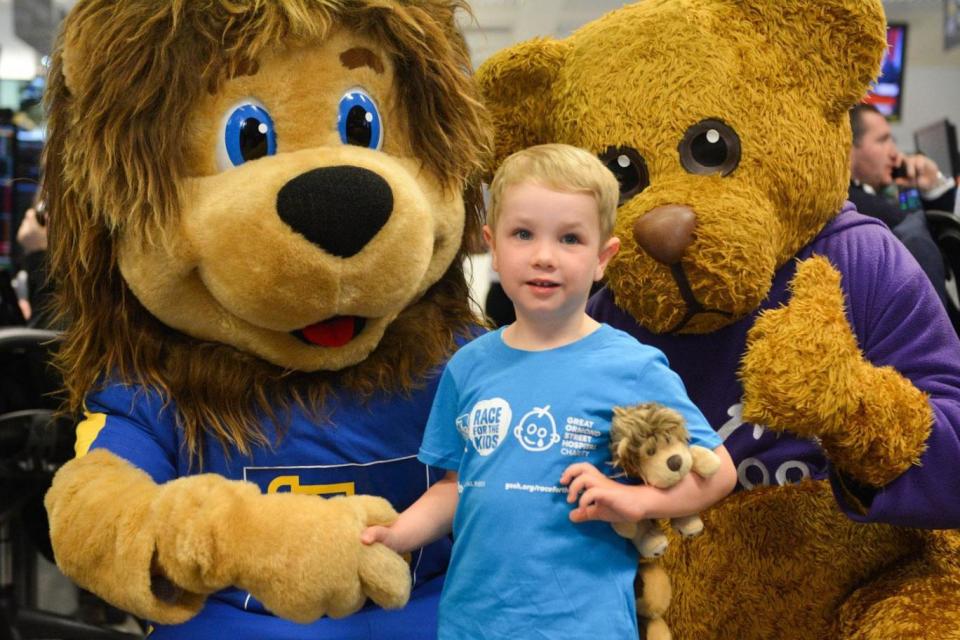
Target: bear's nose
{"type": "Point", "coordinates": [674, 462]}
{"type": "Point", "coordinates": [339, 209]}
{"type": "Point", "coordinates": [666, 232]}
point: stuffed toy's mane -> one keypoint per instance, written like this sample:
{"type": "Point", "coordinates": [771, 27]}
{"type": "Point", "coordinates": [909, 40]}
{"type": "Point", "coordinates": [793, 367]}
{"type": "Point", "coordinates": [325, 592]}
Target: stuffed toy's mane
{"type": "Point", "coordinates": [116, 160]}
{"type": "Point", "coordinates": [639, 431]}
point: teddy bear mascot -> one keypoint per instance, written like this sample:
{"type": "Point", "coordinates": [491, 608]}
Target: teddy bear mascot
{"type": "Point", "coordinates": [805, 332]}
{"type": "Point", "coordinates": [257, 214]}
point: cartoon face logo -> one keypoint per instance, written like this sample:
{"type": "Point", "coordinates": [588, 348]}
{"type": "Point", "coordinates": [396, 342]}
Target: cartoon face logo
{"type": "Point", "coordinates": [486, 425]}
{"type": "Point", "coordinates": [537, 430]}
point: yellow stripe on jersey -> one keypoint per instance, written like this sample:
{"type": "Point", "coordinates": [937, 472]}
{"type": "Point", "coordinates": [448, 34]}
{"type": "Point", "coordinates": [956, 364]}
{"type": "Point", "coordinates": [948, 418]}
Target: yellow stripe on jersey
{"type": "Point", "coordinates": [87, 432]}
{"type": "Point", "coordinates": [292, 483]}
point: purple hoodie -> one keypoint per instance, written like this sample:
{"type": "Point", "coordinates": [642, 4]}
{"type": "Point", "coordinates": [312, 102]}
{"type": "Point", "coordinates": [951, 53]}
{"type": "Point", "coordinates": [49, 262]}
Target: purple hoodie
{"type": "Point", "coordinates": [898, 321]}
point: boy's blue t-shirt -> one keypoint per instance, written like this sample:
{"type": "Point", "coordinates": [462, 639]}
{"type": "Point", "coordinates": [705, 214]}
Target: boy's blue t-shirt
{"type": "Point", "coordinates": [509, 422]}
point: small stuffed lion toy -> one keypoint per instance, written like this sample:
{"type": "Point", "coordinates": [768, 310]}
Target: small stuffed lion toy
{"type": "Point", "coordinates": [805, 332]}
{"type": "Point", "coordinates": [257, 220]}
{"type": "Point", "coordinates": [650, 442]}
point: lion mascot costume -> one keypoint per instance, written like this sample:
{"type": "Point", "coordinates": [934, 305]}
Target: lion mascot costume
{"type": "Point", "coordinates": [257, 221]}
{"type": "Point", "coordinates": [805, 332]}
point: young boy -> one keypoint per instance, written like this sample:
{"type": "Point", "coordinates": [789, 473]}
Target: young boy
{"type": "Point", "coordinates": [525, 409]}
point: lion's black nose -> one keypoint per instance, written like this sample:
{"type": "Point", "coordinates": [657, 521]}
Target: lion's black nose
{"type": "Point", "coordinates": [674, 462]}
{"type": "Point", "coordinates": [339, 209]}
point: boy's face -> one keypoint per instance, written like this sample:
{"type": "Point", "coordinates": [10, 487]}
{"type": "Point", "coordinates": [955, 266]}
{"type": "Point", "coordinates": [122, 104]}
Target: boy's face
{"type": "Point", "coordinates": [548, 251]}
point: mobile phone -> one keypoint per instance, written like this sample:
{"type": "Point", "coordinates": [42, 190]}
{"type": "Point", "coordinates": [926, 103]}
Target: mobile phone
{"type": "Point", "coordinates": [40, 209]}
{"type": "Point", "coordinates": [900, 171]}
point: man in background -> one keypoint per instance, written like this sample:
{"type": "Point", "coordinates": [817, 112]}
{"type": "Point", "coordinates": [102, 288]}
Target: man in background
{"type": "Point", "coordinates": [32, 238]}
{"type": "Point", "coordinates": [898, 189]}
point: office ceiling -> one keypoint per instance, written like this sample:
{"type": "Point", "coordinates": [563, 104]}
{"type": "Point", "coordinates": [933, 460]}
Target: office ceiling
{"type": "Point", "coordinates": [500, 23]}
{"type": "Point", "coordinates": [497, 24]}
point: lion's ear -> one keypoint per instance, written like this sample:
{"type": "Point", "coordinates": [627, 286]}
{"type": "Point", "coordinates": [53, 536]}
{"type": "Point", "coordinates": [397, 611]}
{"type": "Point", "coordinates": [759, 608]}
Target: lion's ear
{"type": "Point", "coordinates": [517, 85]}
{"type": "Point", "coordinates": [72, 52]}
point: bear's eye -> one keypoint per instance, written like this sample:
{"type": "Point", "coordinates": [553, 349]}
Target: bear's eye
{"type": "Point", "coordinates": [248, 134]}
{"type": "Point", "coordinates": [358, 120]}
{"type": "Point", "coordinates": [651, 451]}
{"type": "Point", "coordinates": [629, 168]}
{"type": "Point", "coordinates": [710, 147]}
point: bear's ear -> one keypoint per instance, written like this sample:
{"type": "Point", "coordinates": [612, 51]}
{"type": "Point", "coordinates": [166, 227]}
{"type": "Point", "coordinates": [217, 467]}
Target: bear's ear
{"type": "Point", "coordinates": [833, 48]}
{"type": "Point", "coordinates": [516, 85]}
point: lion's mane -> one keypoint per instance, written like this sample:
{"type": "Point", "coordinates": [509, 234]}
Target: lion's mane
{"type": "Point", "coordinates": [115, 158]}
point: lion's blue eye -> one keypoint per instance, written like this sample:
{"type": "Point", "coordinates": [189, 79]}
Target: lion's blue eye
{"type": "Point", "coordinates": [249, 134]}
{"type": "Point", "coordinates": [358, 120]}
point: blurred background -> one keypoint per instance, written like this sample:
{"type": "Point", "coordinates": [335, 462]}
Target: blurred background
{"type": "Point", "coordinates": [919, 92]}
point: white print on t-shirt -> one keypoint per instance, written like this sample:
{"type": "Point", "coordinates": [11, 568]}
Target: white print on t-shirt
{"type": "Point", "coordinates": [486, 425]}
{"type": "Point", "coordinates": [781, 475]}
{"type": "Point", "coordinates": [537, 430]}
{"type": "Point", "coordinates": [579, 437]}
{"type": "Point", "coordinates": [736, 419]}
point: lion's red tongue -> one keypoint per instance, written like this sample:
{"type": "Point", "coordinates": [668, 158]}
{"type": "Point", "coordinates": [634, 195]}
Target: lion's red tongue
{"type": "Point", "coordinates": [334, 332]}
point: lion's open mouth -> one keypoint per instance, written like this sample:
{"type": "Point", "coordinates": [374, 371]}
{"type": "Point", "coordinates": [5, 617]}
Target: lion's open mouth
{"type": "Point", "coordinates": [334, 332]}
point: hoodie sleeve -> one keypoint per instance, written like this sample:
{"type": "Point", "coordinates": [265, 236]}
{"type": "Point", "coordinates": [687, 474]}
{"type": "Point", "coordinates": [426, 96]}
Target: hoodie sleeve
{"type": "Point", "coordinates": [900, 322]}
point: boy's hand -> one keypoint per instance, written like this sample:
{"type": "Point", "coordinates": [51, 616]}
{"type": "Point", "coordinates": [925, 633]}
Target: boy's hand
{"type": "Point", "coordinates": [388, 537]}
{"type": "Point", "coordinates": [381, 534]}
{"type": "Point", "coordinates": [600, 498]}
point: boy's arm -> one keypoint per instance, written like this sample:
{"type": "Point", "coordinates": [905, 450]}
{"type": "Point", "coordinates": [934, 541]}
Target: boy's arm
{"type": "Point", "coordinates": [600, 498]}
{"type": "Point", "coordinates": [428, 519]}
{"type": "Point", "coordinates": [431, 516]}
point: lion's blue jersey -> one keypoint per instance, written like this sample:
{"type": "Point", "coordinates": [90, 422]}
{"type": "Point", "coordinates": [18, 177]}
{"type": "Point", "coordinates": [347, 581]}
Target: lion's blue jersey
{"type": "Point", "coordinates": [364, 449]}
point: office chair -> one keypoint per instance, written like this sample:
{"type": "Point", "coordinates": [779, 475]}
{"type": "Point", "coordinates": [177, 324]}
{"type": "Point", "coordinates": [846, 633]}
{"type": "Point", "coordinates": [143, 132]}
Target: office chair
{"type": "Point", "coordinates": [34, 441]}
{"type": "Point", "coordinates": [945, 229]}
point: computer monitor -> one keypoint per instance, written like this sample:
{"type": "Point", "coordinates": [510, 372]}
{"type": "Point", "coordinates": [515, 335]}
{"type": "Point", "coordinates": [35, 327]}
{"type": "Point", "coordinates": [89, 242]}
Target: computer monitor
{"type": "Point", "coordinates": [886, 94]}
{"type": "Point", "coordinates": [938, 141]}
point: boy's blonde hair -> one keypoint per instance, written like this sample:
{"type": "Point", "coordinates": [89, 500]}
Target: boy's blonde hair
{"type": "Point", "coordinates": [561, 167]}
